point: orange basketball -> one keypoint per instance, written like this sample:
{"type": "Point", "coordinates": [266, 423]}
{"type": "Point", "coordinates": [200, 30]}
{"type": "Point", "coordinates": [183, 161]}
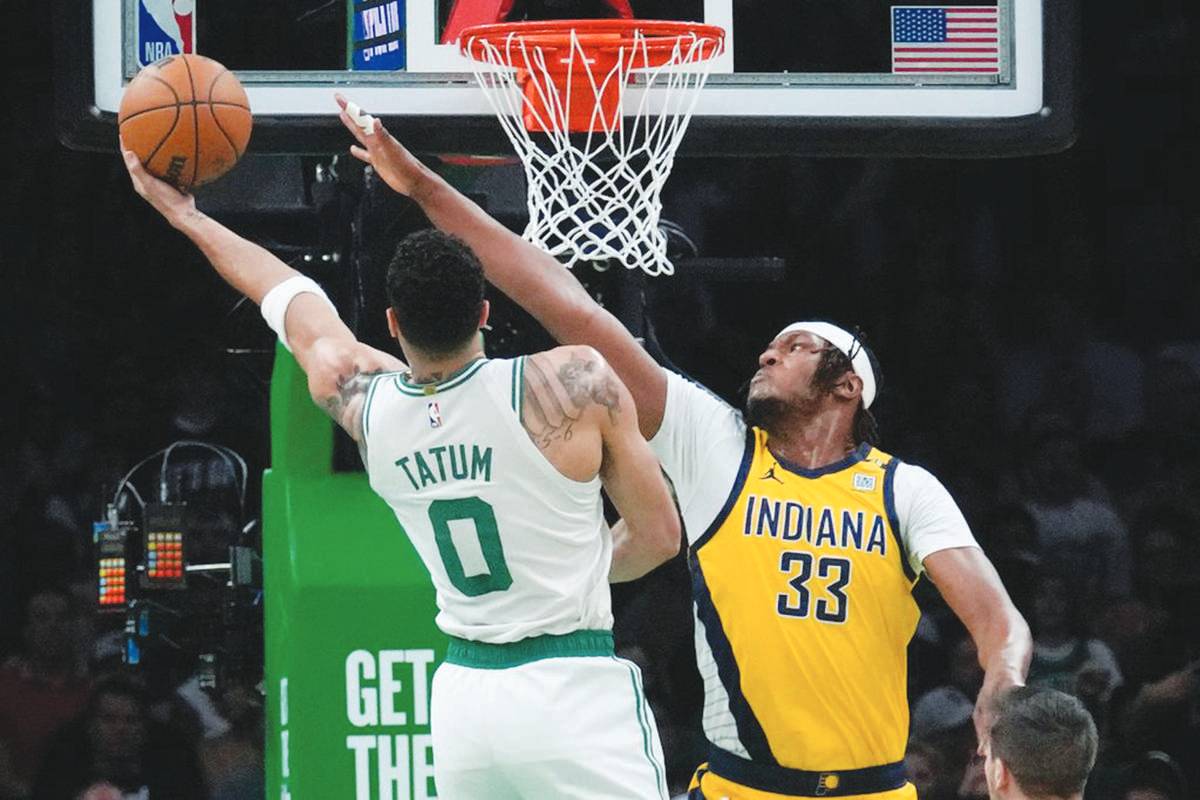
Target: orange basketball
{"type": "Point", "coordinates": [187, 118]}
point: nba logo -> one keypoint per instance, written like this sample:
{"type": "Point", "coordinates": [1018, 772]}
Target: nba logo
{"type": "Point", "coordinates": [435, 414]}
{"type": "Point", "coordinates": [165, 28]}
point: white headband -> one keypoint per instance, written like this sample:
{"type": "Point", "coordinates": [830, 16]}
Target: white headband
{"type": "Point", "coordinates": [849, 344]}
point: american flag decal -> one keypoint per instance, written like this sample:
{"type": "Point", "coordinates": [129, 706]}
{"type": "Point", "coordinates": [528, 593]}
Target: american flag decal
{"type": "Point", "coordinates": [954, 40]}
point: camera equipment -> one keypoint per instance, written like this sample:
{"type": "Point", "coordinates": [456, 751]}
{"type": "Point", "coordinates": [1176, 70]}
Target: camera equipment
{"type": "Point", "coordinates": [183, 569]}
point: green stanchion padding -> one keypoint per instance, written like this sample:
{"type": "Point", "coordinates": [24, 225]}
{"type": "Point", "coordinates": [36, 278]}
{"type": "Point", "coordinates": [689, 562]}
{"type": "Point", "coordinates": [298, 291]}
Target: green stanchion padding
{"type": "Point", "coordinates": [351, 645]}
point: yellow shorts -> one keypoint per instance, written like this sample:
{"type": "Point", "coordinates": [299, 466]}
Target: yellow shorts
{"type": "Point", "coordinates": [707, 786]}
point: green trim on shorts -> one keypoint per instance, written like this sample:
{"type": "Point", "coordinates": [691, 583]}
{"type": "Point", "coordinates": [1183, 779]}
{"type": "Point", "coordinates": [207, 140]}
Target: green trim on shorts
{"type": "Point", "coordinates": [660, 775]}
{"type": "Point", "coordinates": [483, 655]}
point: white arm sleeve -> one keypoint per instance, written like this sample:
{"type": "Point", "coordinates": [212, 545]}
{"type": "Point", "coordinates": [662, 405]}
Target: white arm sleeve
{"type": "Point", "coordinates": [700, 444]}
{"type": "Point", "coordinates": [929, 518]}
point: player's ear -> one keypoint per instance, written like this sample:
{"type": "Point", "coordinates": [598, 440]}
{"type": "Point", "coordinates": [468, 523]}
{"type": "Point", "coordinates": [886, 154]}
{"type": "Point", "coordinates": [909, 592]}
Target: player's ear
{"type": "Point", "coordinates": [849, 387]}
{"type": "Point", "coordinates": [393, 326]}
{"type": "Point", "coordinates": [998, 776]}
{"type": "Point", "coordinates": [485, 311]}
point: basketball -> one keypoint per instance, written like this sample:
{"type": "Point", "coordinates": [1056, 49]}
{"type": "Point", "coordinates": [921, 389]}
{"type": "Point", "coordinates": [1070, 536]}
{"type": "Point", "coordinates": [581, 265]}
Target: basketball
{"type": "Point", "coordinates": [187, 118]}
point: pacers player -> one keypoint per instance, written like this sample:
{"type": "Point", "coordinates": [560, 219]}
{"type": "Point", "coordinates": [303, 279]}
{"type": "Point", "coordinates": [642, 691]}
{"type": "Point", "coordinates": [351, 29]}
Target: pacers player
{"type": "Point", "coordinates": [806, 539]}
{"type": "Point", "coordinates": [494, 469]}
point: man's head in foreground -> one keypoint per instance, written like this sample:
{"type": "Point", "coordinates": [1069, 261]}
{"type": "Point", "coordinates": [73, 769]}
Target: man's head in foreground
{"type": "Point", "coordinates": [1042, 746]}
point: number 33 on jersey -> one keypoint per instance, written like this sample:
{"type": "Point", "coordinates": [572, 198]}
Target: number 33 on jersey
{"type": "Point", "coordinates": [810, 566]}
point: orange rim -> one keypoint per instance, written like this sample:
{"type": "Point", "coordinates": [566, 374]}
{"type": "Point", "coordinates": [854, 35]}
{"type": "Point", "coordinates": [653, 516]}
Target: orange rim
{"type": "Point", "coordinates": [658, 37]}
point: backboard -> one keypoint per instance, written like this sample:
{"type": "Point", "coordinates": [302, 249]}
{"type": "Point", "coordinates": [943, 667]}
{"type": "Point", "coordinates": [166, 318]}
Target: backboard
{"type": "Point", "coordinates": [853, 77]}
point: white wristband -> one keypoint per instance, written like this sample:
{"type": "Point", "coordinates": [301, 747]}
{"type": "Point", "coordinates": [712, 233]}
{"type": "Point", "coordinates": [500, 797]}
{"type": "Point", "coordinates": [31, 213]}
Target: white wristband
{"type": "Point", "coordinates": [275, 303]}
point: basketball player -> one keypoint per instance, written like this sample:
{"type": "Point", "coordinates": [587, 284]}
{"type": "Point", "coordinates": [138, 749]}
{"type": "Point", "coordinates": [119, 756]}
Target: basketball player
{"type": "Point", "coordinates": [494, 469]}
{"type": "Point", "coordinates": [806, 540]}
{"type": "Point", "coordinates": [1042, 746]}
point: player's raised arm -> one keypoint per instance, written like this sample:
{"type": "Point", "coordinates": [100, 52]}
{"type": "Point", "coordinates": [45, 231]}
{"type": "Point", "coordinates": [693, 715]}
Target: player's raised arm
{"type": "Point", "coordinates": [295, 307]}
{"type": "Point", "coordinates": [531, 277]}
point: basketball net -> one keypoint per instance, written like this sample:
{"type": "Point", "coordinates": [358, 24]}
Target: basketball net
{"type": "Point", "coordinates": [596, 110]}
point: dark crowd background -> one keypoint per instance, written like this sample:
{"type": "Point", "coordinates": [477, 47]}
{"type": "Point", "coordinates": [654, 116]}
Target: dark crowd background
{"type": "Point", "coordinates": [1035, 318]}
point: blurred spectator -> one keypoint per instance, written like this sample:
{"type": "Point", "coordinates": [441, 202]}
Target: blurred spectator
{"type": "Point", "coordinates": [233, 760]}
{"type": "Point", "coordinates": [942, 718]}
{"type": "Point", "coordinates": [1079, 533]}
{"type": "Point", "coordinates": [926, 770]}
{"type": "Point", "coordinates": [48, 554]}
{"type": "Point", "coordinates": [1172, 392]}
{"type": "Point", "coordinates": [1160, 462]}
{"type": "Point", "coordinates": [1065, 363]}
{"type": "Point", "coordinates": [1157, 629]}
{"type": "Point", "coordinates": [1154, 777]}
{"type": "Point", "coordinates": [1009, 537]}
{"type": "Point", "coordinates": [40, 688]}
{"type": "Point", "coordinates": [1167, 551]}
{"type": "Point", "coordinates": [1164, 715]}
{"type": "Point", "coordinates": [974, 783]}
{"type": "Point", "coordinates": [926, 656]}
{"type": "Point", "coordinates": [1064, 658]}
{"type": "Point", "coordinates": [115, 749]}
{"type": "Point", "coordinates": [964, 672]}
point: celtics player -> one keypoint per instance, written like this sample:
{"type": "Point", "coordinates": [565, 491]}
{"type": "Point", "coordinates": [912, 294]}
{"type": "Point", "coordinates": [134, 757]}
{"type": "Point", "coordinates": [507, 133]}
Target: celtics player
{"type": "Point", "coordinates": [806, 539]}
{"type": "Point", "coordinates": [494, 469]}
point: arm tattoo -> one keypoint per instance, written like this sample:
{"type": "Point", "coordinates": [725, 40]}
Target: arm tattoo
{"type": "Point", "coordinates": [555, 399]}
{"type": "Point", "coordinates": [347, 406]}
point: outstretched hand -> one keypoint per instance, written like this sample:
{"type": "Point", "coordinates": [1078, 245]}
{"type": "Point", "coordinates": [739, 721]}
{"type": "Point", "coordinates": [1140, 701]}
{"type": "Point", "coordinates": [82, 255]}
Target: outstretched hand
{"type": "Point", "coordinates": [166, 199]}
{"type": "Point", "coordinates": [391, 160]}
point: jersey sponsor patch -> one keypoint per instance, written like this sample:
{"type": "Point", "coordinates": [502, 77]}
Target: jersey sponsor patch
{"type": "Point", "coordinates": [435, 414]}
{"type": "Point", "coordinates": [864, 482]}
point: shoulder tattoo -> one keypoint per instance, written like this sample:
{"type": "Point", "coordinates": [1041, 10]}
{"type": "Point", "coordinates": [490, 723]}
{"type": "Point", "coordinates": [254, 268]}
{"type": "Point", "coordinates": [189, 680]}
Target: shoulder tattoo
{"type": "Point", "coordinates": [557, 397]}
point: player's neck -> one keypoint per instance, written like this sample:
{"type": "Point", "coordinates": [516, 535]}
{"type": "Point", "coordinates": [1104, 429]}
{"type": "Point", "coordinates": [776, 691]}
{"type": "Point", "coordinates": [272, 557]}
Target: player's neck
{"type": "Point", "coordinates": [424, 368]}
{"type": "Point", "coordinates": [812, 442]}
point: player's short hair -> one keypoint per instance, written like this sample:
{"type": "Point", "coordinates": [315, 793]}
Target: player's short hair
{"type": "Point", "coordinates": [435, 288]}
{"type": "Point", "coordinates": [1046, 739]}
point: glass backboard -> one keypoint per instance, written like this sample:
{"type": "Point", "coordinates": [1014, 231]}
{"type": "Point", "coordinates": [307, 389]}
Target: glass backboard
{"type": "Point", "coordinates": [885, 77]}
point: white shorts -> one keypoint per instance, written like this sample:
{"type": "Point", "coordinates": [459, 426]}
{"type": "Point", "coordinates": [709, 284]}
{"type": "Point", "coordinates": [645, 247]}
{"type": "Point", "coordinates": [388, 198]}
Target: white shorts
{"type": "Point", "coordinates": [557, 727]}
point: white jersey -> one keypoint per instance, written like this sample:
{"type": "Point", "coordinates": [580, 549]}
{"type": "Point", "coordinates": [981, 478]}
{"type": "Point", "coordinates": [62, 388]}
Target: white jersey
{"type": "Point", "coordinates": [515, 548]}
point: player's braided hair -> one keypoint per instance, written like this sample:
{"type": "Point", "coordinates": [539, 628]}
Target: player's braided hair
{"type": "Point", "coordinates": [830, 369]}
{"type": "Point", "coordinates": [435, 287]}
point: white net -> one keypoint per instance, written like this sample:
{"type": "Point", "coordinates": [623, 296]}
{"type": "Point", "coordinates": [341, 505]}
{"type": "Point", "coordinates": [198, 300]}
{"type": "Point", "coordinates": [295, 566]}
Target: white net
{"type": "Point", "coordinates": [595, 194]}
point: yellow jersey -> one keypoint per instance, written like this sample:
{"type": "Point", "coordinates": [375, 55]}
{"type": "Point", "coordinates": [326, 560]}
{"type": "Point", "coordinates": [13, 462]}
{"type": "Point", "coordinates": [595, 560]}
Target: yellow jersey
{"type": "Point", "coordinates": [803, 607]}
{"type": "Point", "coordinates": [803, 593]}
